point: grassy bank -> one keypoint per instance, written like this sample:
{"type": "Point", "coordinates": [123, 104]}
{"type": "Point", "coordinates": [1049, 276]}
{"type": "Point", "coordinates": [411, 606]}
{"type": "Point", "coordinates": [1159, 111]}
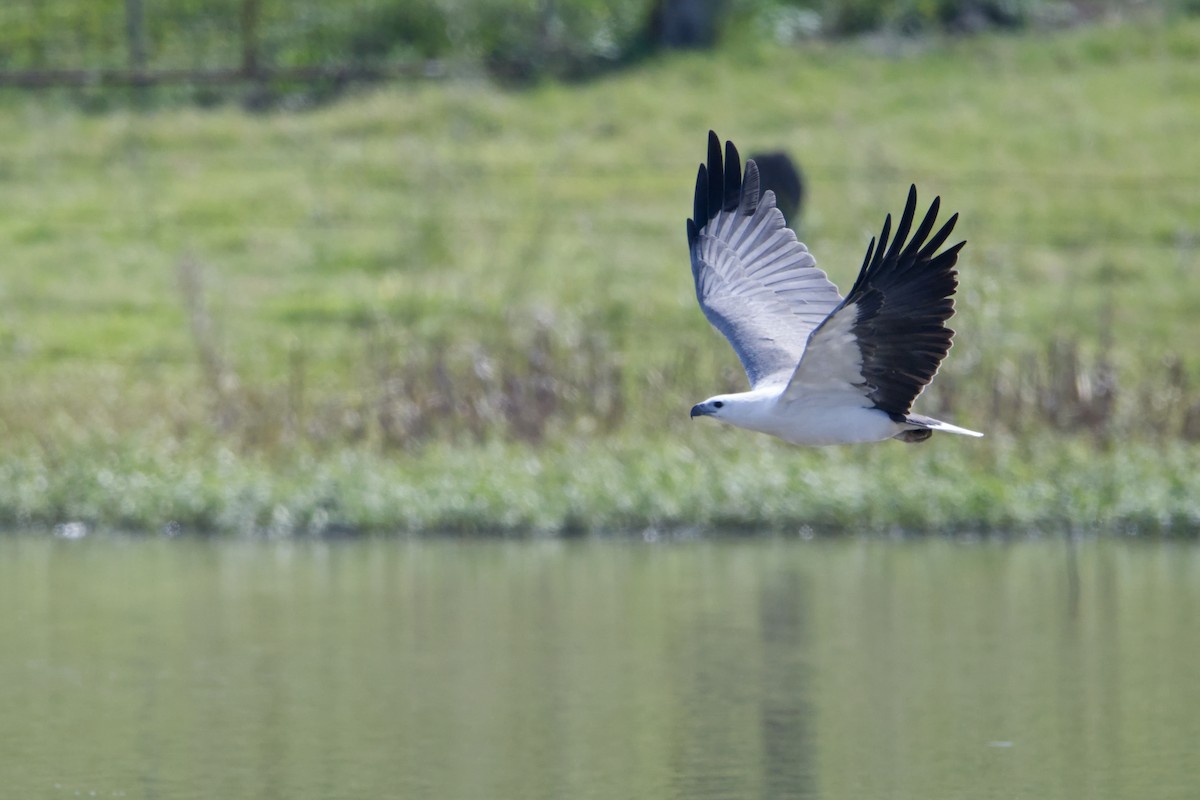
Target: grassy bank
{"type": "Point", "coordinates": [667, 489]}
{"type": "Point", "coordinates": [448, 306]}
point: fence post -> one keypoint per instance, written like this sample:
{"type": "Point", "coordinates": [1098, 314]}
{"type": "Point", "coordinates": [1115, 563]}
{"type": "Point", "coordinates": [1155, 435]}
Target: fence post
{"type": "Point", "coordinates": [135, 34]}
{"type": "Point", "coordinates": [250, 65]}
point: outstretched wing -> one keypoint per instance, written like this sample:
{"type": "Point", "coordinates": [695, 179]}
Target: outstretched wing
{"type": "Point", "coordinates": [889, 335]}
{"type": "Point", "coordinates": [756, 284]}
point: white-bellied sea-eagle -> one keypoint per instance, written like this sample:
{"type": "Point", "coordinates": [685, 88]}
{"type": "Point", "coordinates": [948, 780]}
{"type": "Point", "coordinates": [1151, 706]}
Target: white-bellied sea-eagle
{"type": "Point", "coordinates": [823, 369]}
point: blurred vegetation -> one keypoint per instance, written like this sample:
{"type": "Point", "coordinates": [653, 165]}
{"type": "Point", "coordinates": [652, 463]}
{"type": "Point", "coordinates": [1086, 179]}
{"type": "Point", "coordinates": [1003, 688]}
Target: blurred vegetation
{"type": "Point", "coordinates": [444, 305]}
{"type": "Point", "coordinates": [514, 40]}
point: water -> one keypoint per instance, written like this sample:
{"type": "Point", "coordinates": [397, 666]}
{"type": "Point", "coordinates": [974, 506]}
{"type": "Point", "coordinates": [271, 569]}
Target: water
{"type": "Point", "coordinates": [728, 669]}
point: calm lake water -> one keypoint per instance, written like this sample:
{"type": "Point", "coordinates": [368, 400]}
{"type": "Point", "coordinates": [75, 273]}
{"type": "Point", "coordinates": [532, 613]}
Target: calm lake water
{"type": "Point", "coordinates": [721, 669]}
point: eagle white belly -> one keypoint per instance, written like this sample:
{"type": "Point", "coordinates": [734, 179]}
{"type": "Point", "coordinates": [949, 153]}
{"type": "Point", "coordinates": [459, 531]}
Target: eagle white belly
{"type": "Point", "coordinates": [821, 426]}
{"type": "Point", "coordinates": [823, 418]}
{"type": "Point", "coordinates": [816, 424]}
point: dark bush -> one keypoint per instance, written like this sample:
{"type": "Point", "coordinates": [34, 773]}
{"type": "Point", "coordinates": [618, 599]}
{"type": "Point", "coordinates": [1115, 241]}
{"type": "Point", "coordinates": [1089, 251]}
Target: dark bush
{"type": "Point", "coordinates": [414, 27]}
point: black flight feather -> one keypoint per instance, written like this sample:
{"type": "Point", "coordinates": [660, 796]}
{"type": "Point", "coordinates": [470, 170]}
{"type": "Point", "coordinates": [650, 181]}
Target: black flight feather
{"type": "Point", "coordinates": [903, 297]}
{"type": "Point", "coordinates": [719, 187]}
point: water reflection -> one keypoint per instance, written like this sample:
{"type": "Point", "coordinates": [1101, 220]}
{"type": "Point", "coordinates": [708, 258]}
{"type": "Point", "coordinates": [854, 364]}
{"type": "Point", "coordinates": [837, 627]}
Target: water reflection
{"type": "Point", "coordinates": [769, 669]}
{"type": "Point", "coordinates": [787, 723]}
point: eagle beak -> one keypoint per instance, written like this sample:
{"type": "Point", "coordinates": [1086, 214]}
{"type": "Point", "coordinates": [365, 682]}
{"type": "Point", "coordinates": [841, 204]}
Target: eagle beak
{"type": "Point", "coordinates": [699, 410]}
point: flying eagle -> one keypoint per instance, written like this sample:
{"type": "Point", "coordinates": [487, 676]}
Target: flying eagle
{"type": "Point", "coordinates": [823, 369]}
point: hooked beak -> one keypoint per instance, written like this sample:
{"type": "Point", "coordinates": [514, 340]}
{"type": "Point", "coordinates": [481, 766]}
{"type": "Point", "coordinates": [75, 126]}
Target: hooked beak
{"type": "Point", "coordinates": [699, 410]}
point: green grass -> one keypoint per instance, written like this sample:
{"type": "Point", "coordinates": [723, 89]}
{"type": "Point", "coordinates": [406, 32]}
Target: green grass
{"type": "Point", "coordinates": [616, 485]}
{"type": "Point", "coordinates": [354, 253]}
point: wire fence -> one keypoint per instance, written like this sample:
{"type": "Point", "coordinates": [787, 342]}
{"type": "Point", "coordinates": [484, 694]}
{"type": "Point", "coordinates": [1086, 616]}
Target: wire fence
{"type": "Point", "coordinates": [91, 43]}
{"type": "Point", "coordinates": [45, 43]}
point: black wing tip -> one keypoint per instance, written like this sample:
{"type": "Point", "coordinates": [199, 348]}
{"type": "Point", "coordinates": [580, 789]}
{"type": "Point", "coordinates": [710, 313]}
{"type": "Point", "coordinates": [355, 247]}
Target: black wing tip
{"type": "Point", "coordinates": [699, 208]}
{"type": "Point", "coordinates": [719, 182]}
{"type": "Point", "coordinates": [919, 249]}
{"type": "Point", "coordinates": [905, 296]}
{"type": "Point", "coordinates": [716, 177]}
{"type": "Point", "coordinates": [733, 178]}
{"type": "Point", "coordinates": [949, 257]}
